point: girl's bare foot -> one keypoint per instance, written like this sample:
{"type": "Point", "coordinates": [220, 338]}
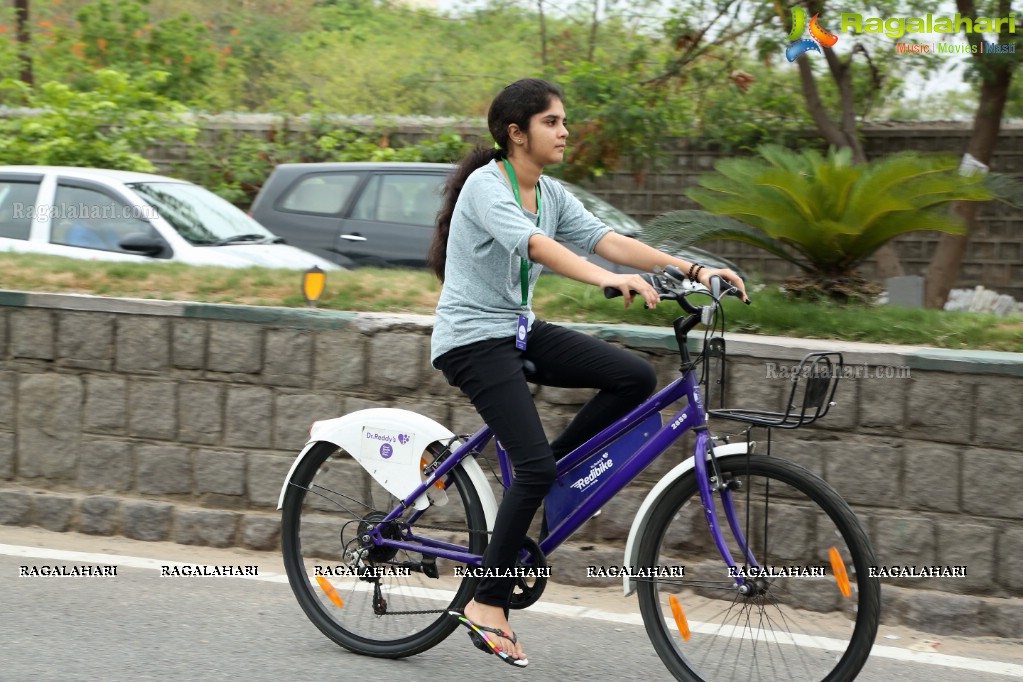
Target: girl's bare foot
{"type": "Point", "coordinates": [493, 617]}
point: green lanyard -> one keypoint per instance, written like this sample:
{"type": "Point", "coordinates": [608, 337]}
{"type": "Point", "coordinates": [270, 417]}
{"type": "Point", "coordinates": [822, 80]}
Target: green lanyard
{"type": "Point", "coordinates": [525, 264]}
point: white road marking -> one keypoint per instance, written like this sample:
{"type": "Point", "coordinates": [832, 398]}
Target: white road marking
{"type": "Point", "coordinates": [565, 610]}
{"type": "Point", "coordinates": [118, 560]}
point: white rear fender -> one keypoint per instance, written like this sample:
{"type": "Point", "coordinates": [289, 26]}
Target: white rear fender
{"type": "Point", "coordinates": [640, 522]}
{"type": "Point", "coordinates": [388, 443]}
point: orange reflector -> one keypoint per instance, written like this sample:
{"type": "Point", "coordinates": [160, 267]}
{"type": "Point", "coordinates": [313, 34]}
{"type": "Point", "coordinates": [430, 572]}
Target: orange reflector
{"type": "Point", "coordinates": [841, 577]}
{"type": "Point", "coordinates": [329, 590]}
{"type": "Point", "coordinates": [422, 466]}
{"type": "Point", "coordinates": [680, 618]}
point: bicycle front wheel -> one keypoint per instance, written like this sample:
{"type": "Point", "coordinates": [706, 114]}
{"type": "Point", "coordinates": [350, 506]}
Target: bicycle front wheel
{"type": "Point", "coordinates": [808, 611]}
{"type": "Point", "coordinates": [372, 599]}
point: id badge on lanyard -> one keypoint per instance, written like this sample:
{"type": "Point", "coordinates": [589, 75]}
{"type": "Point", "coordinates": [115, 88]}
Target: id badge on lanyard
{"type": "Point", "coordinates": [522, 325]}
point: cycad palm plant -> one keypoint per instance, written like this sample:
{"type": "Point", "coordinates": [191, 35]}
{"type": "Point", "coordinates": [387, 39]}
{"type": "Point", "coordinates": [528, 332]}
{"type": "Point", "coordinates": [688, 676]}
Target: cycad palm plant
{"type": "Point", "coordinates": [824, 214]}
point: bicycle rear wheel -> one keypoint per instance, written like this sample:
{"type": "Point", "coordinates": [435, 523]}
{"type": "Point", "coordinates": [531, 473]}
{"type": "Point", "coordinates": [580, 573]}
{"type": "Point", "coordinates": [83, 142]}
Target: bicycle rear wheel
{"type": "Point", "coordinates": [330, 503]}
{"type": "Point", "coordinates": [789, 627]}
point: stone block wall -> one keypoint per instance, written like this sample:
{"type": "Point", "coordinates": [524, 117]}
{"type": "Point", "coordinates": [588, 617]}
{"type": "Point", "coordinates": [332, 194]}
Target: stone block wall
{"type": "Point", "coordinates": [175, 421]}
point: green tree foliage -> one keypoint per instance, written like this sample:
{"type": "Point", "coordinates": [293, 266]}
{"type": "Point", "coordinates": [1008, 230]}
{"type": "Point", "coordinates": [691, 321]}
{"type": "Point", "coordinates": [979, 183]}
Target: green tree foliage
{"type": "Point", "coordinates": [108, 127]}
{"type": "Point", "coordinates": [634, 75]}
{"type": "Point", "coordinates": [823, 213]}
{"type": "Point", "coordinates": [72, 46]}
{"type": "Point", "coordinates": [631, 80]}
{"type": "Point", "coordinates": [753, 106]}
{"type": "Point", "coordinates": [9, 66]}
{"type": "Point", "coordinates": [1014, 104]}
{"type": "Point", "coordinates": [370, 58]}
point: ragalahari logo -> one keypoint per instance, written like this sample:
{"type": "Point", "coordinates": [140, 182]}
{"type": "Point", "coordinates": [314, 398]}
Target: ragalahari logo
{"type": "Point", "coordinates": [819, 36]}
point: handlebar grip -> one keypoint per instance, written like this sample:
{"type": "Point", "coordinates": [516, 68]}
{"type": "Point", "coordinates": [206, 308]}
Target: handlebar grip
{"type": "Point", "coordinates": [715, 289]}
{"type": "Point", "coordinates": [611, 292]}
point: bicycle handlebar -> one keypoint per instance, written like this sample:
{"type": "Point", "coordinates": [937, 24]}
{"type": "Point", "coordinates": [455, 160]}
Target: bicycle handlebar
{"type": "Point", "coordinates": [667, 292]}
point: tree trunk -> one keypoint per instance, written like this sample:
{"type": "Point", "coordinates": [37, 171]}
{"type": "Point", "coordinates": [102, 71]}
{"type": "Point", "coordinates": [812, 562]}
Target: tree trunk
{"type": "Point", "coordinates": [594, 24]}
{"type": "Point", "coordinates": [543, 33]}
{"type": "Point", "coordinates": [23, 38]}
{"type": "Point", "coordinates": [943, 270]}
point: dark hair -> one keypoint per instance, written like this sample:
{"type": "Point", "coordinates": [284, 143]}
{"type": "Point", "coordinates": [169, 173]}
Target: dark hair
{"type": "Point", "coordinates": [516, 104]}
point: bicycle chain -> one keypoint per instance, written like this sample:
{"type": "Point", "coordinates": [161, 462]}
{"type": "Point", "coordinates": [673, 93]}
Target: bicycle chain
{"type": "Point", "coordinates": [429, 611]}
{"type": "Point", "coordinates": [412, 613]}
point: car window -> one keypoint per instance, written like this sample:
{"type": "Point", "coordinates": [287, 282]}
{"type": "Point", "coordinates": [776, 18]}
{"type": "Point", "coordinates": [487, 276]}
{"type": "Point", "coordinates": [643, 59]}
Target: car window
{"type": "Point", "coordinates": [366, 207]}
{"type": "Point", "coordinates": [199, 215]}
{"type": "Point", "coordinates": [17, 208]}
{"type": "Point", "coordinates": [324, 193]}
{"type": "Point", "coordinates": [92, 219]}
{"type": "Point", "coordinates": [413, 199]}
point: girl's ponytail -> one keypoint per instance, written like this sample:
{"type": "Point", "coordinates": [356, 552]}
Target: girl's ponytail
{"type": "Point", "coordinates": [477, 158]}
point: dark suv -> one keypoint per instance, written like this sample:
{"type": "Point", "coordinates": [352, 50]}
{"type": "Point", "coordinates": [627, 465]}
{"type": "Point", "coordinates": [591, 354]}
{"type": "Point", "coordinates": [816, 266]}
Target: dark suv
{"type": "Point", "coordinates": [382, 214]}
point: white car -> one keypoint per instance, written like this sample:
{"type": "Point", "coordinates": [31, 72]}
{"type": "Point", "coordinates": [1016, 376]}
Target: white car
{"type": "Point", "coordinates": [137, 217]}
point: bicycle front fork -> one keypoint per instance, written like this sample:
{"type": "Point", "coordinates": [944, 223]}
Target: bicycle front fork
{"type": "Point", "coordinates": [710, 483]}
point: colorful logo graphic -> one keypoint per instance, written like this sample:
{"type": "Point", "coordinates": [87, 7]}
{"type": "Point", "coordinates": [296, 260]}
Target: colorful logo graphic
{"type": "Point", "coordinates": [819, 36]}
{"type": "Point", "coordinates": [386, 451]}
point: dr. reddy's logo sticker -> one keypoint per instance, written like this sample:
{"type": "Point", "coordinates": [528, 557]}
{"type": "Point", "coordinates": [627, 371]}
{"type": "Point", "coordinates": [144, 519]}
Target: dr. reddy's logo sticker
{"type": "Point", "coordinates": [819, 36]}
{"type": "Point", "coordinates": [386, 445]}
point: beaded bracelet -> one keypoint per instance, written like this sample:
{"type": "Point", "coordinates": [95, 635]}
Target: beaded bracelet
{"type": "Point", "coordinates": [696, 277]}
{"type": "Point", "coordinates": [692, 267]}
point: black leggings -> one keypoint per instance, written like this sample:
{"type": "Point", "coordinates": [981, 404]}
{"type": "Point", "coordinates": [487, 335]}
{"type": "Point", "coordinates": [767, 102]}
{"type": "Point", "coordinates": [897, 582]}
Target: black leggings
{"type": "Point", "coordinates": [491, 374]}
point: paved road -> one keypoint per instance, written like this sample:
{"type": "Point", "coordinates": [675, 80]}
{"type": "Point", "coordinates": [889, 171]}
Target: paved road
{"type": "Point", "coordinates": [139, 626]}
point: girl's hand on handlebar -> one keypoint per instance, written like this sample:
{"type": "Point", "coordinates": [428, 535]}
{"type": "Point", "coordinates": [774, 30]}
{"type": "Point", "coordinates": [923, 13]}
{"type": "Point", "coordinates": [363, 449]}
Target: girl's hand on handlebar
{"type": "Point", "coordinates": [726, 275]}
{"type": "Point", "coordinates": [630, 285]}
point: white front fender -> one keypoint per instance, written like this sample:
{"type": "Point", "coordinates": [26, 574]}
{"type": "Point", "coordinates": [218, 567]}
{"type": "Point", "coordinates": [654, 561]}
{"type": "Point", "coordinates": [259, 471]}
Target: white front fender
{"type": "Point", "coordinates": [639, 523]}
{"type": "Point", "coordinates": [388, 443]}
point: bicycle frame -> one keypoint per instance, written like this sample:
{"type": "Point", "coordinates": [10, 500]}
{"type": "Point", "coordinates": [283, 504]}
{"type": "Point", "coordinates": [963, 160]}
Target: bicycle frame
{"type": "Point", "coordinates": [692, 416]}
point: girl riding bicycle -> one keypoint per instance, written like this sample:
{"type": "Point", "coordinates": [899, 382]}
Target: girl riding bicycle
{"type": "Point", "coordinates": [495, 232]}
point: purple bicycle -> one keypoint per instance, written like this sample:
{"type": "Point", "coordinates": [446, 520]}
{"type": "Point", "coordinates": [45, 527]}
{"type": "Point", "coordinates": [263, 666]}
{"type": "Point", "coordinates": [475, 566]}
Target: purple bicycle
{"type": "Point", "coordinates": [747, 567]}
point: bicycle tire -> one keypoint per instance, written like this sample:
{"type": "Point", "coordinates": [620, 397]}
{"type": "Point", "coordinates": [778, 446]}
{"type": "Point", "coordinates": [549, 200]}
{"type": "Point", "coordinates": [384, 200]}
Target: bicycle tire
{"type": "Point", "coordinates": [319, 527]}
{"type": "Point", "coordinates": [816, 644]}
